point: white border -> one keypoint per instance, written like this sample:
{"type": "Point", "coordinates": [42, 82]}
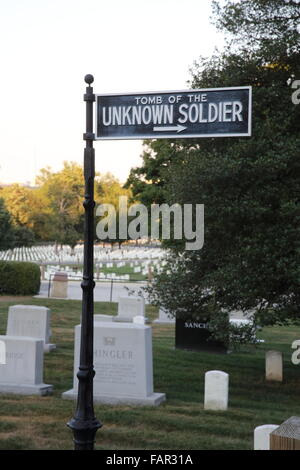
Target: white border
{"type": "Point", "coordinates": [177, 136]}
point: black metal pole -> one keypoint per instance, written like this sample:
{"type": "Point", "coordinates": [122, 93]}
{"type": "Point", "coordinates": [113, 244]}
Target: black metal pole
{"type": "Point", "coordinates": [49, 285]}
{"type": "Point", "coordinates": [84, 423]}
{"type": "Point", "coordinates": [111, 289]}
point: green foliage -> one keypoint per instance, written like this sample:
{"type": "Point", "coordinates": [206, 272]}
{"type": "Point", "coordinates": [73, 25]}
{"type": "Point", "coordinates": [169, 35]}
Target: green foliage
{"type": "Point", "coordinates": [24, 236]}
{"type": "Point", "coordinates": [250, 187]}
{"type": "Point", "coordinates": [53, 211]}
{"type": "Point", "coordinates": [108, 191]}
{"type": "Point", "coordinates": [267, 26]}
{"type": "Point", "coordinates": [12, 234]}
{"type": "Point", "coordinates": [147, 182]}
{"type": "Point", "coordinates": [63, 192]}
{"type": "Point", "coordinates": [19, 278]}
{"type": "Point", "coordinates": [6, 228]}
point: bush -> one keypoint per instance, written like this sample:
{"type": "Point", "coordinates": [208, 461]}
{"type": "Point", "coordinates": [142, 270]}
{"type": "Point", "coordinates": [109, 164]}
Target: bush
{"type": "Point", "coordinates": [19, 278]}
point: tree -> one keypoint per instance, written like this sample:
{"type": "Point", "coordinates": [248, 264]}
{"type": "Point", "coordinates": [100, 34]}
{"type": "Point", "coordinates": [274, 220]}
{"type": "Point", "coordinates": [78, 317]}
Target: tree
{"type": "Point", "coordinates": [108, 191]}
{"type": "Point", "coordinates": [148, 181]}
{"type": "Point", "coordinates": [250, 187]}
{"type": "Point", "coordinates": [28, 210]}
{"type": "Point", "coordinates": [23, 236]}
{"type": "Point", "coordinates": [18, 200]}
{"type": "Point", "coordinates": [6, 228]}
{"type": "Point", "coordinates": [53, 210]}
{"type": "Point", "coordinates": [269, 27]}
{"type": "Point", "coordinates": [20, 203]}
{"type": "Point", "coordinates": [63, 191]}
{"type": "Point", "coordinates": [264, 31]}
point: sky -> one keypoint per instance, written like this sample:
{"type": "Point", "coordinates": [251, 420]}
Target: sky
{"type": "Point", "coordinates": [48, 46]}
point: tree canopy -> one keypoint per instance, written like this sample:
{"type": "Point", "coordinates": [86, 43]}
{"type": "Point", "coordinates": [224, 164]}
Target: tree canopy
{"type": "Point", "coordinates": [250, 186]}
{"type": "Point", "coordinates": [53, 209]}
{"type": "Point", "coordinates": [6, 228]}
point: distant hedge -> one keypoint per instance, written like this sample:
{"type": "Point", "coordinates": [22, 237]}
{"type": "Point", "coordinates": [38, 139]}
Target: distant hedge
{"type": "Point", "coordinates": [19, 278]}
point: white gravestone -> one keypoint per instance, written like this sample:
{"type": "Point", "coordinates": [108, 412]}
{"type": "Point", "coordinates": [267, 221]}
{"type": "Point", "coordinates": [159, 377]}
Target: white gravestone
{"type": "Point", "coordinates": [123, 364]}
{"type": "Point", "coordinates": [130, 307]}
{"type": "Point", "coordinates": [139, 319]}
{"type": "Point", "coordinates": [164, 317]}
{"type": "Point", "coordinates": [22, 372]}
{"type": "Point", "coordinates": [101, 317]}
{"type": "Point", "coordinates": [262, 436]}
{"type": "Point", "coordinates": [216, 390]}
{"type": "Point", "coordinates": [30, 321]}
{"type": "Point", "coordinates": [274, 366]}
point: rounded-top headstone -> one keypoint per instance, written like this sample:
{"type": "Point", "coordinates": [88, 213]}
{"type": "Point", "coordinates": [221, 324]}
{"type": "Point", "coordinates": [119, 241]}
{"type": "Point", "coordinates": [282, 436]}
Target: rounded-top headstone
{"type": "Point", "coordinates": [216, 390]}
{"type": "Point", "coordinates": [274, 366]}
{"type": "Point", "coordinates": [262, 436]}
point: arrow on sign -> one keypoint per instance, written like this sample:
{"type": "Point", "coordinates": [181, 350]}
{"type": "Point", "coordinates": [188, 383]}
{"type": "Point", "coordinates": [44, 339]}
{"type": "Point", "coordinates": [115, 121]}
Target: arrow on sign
{"type": "Point", "coordinates": [177, 128]}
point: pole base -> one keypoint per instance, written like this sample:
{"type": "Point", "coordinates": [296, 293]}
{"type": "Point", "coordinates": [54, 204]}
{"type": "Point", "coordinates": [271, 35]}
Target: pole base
{"type": "Point", "coordinates": [84, 432]}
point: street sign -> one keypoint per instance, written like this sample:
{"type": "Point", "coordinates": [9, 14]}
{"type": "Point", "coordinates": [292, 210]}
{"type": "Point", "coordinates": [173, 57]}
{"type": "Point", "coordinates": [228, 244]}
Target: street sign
{"type": "Point", "coordinates": [211, 112]}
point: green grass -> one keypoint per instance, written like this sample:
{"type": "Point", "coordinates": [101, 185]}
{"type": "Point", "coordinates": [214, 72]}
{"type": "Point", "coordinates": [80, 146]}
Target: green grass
{"type": "Point", "coordinates": [180, 423]}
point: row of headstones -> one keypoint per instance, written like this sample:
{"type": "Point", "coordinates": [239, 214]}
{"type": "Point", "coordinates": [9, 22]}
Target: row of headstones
{"type": "Point", "coordinates": [267, 436]}
{"type": "Point", "coordinates": [41, 253]}
{"type": "Point", "coordinates": [122, 342]}
{"type": "Point", "coordinates": [273, 359]}
{"type": "Point", "coordinates": [65, 254]}
{"type": "Point", "coordinates": [122, 361]}
{"type": "Point", "coordinates": [49, 271]}
{"type": "Point", "coordinates": [77, 275]}
{"type": "Point", "coordinates": [122, 354]}
{"type": "Point", "coordinates": [217, 382]}
{"type": "Point", "coordinates": [33, 321]}
{"type": "Point", "coordinates": [136, 265]}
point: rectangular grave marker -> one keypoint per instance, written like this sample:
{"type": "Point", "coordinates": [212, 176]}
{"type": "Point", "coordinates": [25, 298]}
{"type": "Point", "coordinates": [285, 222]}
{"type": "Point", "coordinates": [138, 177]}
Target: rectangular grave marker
{"type": "Point", "coordinates": [130, 307]}
{"type": "Point", "coordinates": [274, 366]}
{"type": "Point", "coordinates": [30, 321]}
{"type": "Point", "coordinates": [22, 372]}
{"type": "Point", "coordinates": [122, 362]}
{"type": "Point", "coordinates": [194, 335]}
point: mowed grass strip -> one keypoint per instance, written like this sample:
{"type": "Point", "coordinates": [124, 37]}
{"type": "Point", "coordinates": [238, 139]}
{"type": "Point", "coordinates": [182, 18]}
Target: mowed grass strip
{"type": "Point", "coordinates": [180, 423]}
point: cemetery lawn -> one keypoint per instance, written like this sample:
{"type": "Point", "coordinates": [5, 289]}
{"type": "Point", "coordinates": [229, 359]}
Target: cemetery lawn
{"type": "Point", "coordinates": [124, 270]}
{"type": "Point", "coordinates": [180, 423]}
{"type": "Point", "coordinates": [127, 269]}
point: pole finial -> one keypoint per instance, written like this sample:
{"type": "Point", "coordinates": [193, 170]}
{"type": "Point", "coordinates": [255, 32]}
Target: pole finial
{"type": "Point", "coordinates": [89, 79]}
